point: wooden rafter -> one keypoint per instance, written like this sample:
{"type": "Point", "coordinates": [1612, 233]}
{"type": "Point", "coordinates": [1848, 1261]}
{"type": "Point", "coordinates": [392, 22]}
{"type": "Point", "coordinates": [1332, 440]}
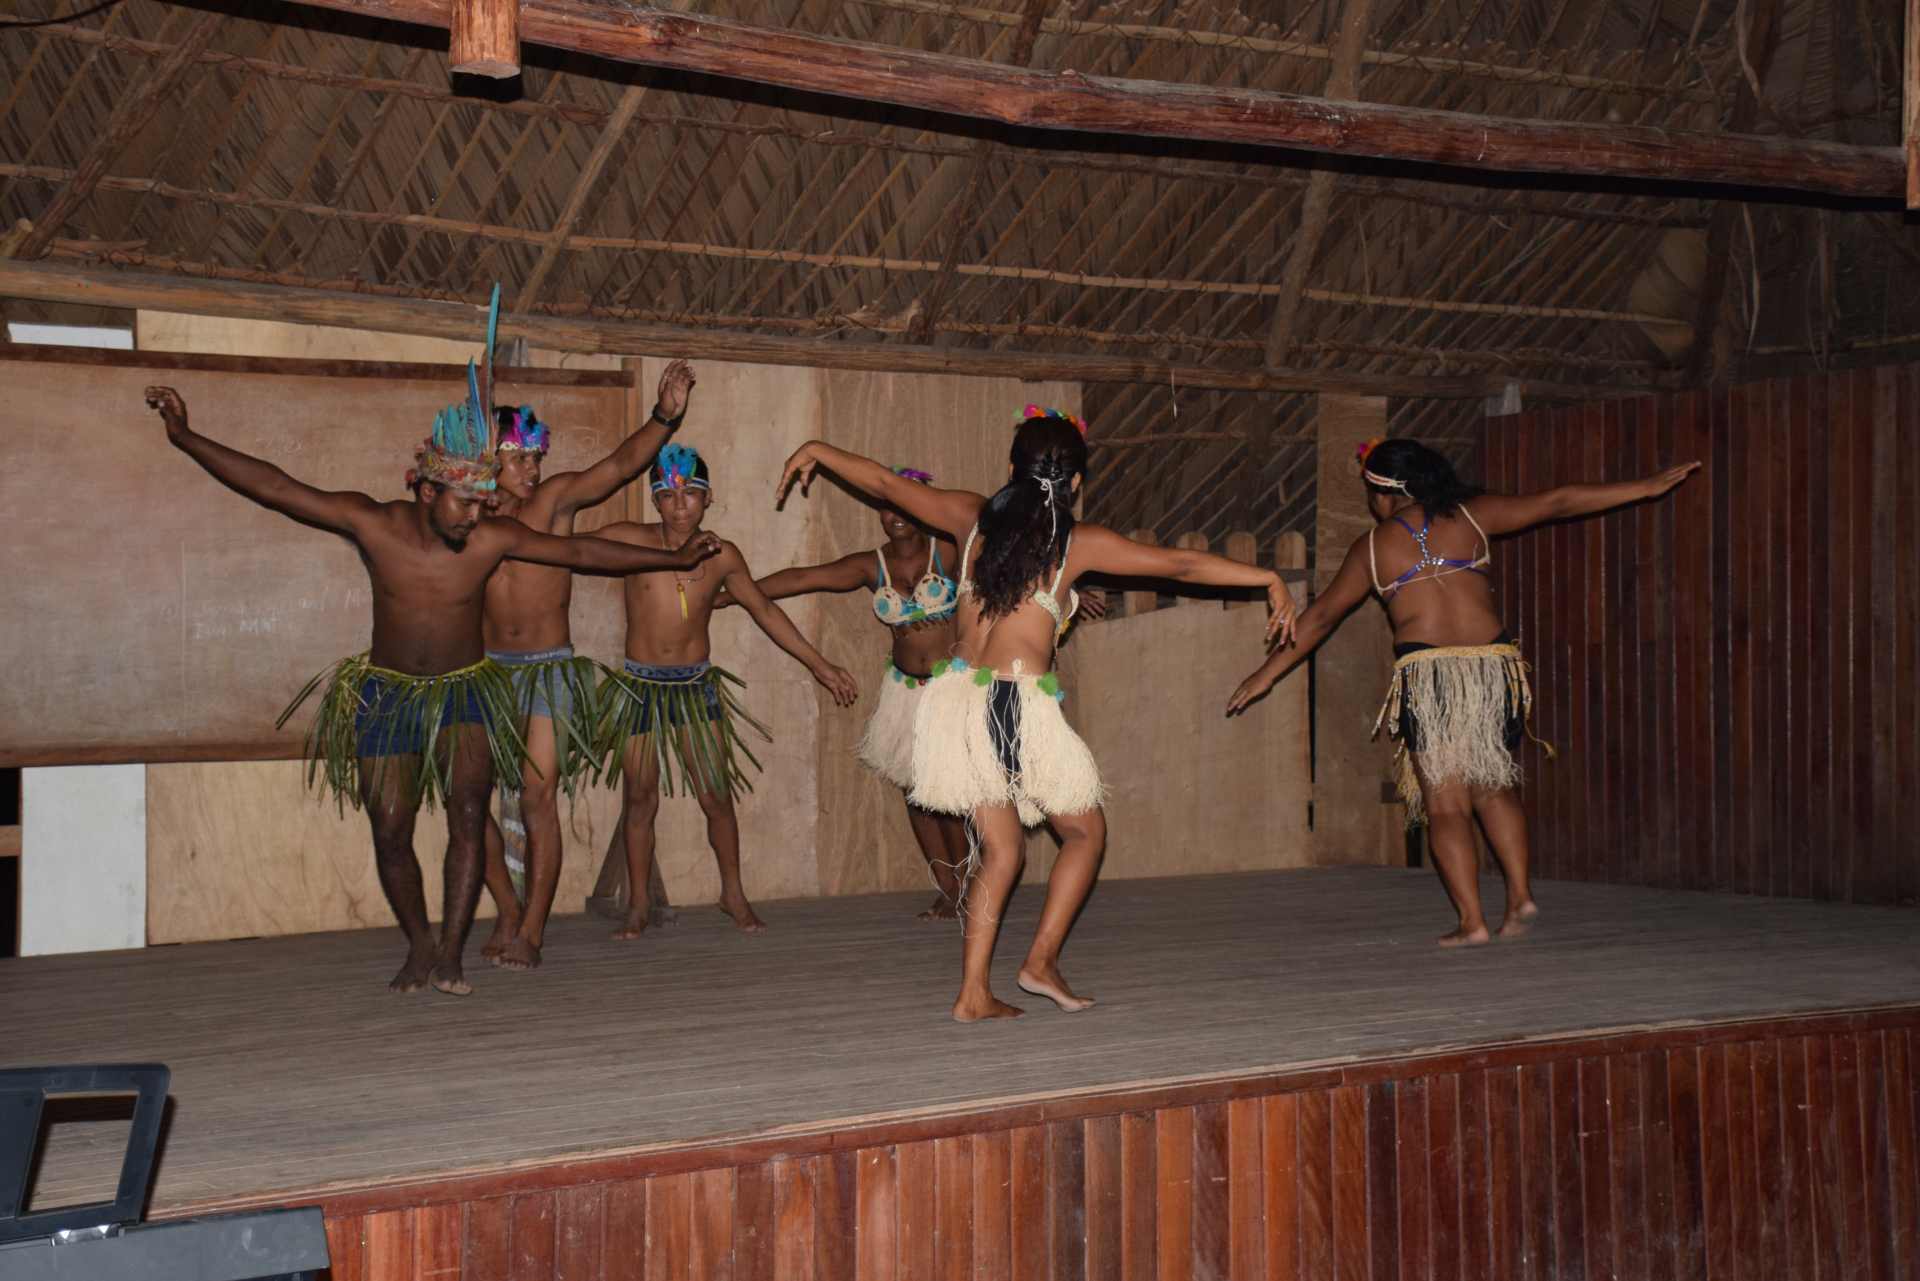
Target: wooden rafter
{"type": "Point", "coordinates": [1910, 102]}
{"type": "Point", "coordinates": [133, 113]}
{"type": "Point", "coordinates": [1070, 101]}
{"type": "Point", "coordinates": [1343, 83]}
{"type": "Point", "coordinates": [465, 321]}
{"type": "Point", "coordinates": [580, 113]}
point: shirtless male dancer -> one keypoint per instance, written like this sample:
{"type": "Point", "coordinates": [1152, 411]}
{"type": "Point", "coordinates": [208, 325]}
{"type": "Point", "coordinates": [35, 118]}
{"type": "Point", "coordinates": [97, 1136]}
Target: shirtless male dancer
{"type": "Point", "coordinates": [528, 631]}
{"type": "Point", "coordinates": [414, 717]}
{"type": "Point", "coordinates": [671, 711]}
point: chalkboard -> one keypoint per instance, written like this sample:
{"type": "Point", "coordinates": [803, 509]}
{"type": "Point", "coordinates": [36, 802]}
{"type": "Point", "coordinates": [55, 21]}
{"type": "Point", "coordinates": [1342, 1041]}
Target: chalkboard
{"type": "Point", "coordinates": [155, 614]}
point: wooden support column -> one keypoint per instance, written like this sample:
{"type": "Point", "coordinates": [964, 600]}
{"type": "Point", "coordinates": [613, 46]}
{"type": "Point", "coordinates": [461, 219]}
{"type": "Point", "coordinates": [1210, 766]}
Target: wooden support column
{"type": "Point", "coordinates": [1910, 104]}
{"type": "Point", "coordinates": [1350, 771]}
{"type": "Point", "coordinates": [133, 113]}
{"type": "Point", "coordinates": [1343, 82]}
{"type": "Point", "coordinates": [1710, 357]}
{"type": "Point", "coordinates": [485, 38]}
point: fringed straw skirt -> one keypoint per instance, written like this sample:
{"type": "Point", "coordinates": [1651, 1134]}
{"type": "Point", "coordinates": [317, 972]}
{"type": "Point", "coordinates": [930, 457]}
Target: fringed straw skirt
{"type": "Point", "coordinates": [886, 747]}
{"type": "Point", "coordinates": [561, 686]}
{"type": "Point", "coordinates": [372, 720]}
{"type": "Point", "coordinates": [987, 738]}
{"type": "Point", "coordinates": [1460, 712]}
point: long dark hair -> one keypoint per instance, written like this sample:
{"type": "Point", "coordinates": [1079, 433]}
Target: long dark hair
{"type": "Point", "coordinates": [1024, 526]}
{"type": "Point", "coordinates": [1429, 478]}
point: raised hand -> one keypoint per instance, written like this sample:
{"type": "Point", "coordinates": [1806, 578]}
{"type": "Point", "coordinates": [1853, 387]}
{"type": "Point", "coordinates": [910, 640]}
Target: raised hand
{"type": "Point", "coordinates": [1665, 482]}
{"type": "Point", "coordinates": [676, 386]}
{"type": "Point", "coordinates": [800, 467]}
{"type": "Point", "coordinates": [172, 409]}
{"type": "Point", "coordinates": [839, 682]}
{"type": "Point", "coordinates": [697, 549]}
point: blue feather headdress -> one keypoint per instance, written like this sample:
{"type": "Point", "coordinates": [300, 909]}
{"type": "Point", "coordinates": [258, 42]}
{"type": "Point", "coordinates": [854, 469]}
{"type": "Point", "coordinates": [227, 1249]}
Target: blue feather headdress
{"type": "Point", "coordinates": [460, 454]}
{"type": "Point", "coordinates": [678, 467]}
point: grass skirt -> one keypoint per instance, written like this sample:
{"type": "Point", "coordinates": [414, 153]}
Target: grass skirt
{"type": "Point", "coordinates": [984, 738]}
{"type": "Point", "coordinates": [886, 747]}
{"type": "Point", "coordinates": [566, 691]}
{"type": "Point", "coordinates": [1465, 699]}
{"type": "Point", "coordinates": [690, 725]}
{"type": "Point", "coordinates": [361, 704]}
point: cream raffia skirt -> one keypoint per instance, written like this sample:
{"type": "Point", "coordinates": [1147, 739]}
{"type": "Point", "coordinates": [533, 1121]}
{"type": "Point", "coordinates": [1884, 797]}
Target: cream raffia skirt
{"type": "Point", "coordinates": [887, 746]}
{"type": "Point", "coordinates": [1461, 711]}
{"type": "Point", "coordinates": [982, 737]}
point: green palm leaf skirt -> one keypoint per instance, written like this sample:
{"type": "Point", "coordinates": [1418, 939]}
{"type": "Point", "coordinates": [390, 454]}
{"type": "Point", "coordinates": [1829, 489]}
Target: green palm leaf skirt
{"type": "Point", "coordinates": [688, 718]}
{"type": "Point", "coordinates": [564, 689]}
{"type": "Point", "coordinates": [372, 721]}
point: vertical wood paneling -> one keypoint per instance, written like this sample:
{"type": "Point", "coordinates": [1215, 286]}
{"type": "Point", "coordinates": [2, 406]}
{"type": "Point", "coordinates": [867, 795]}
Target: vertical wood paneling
{"type": "Point", "coordinates": [1280, 1147]}
{"type": "Point", "coordinates": [953, 1219]}
{"type": "Point", "coordinates": [914, 1224]}
{"type": "Point", "coordinates": [1769, 1158]}
{"type": "Point", "coordinates": [1174, 1167]}
{"type": "Point", "coordinates": [1733, 674]}
{"type": "Point", "coordinates": [877, 1212]}
{"type": "Point", "coordinates": [1246, 1207]}
{"type": "Point", "coordinates": [1028, 1221]}
{"type": "Point", "coordinates": [992, 1205]}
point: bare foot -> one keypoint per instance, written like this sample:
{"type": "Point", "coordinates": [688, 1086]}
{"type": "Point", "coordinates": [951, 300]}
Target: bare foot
{"type": "Point", "coordinates": [413, 975]}
{"type": "Point", "coordinates": [504, 928]}
{"type": "Point", "coordinates": [636, 925]}
{"type": "Point", "coordinates": [1466, 938]}
{"type": "Point", "coordinates": [972, 1009]}
{"type": "Point", "coordinates": [742, 913]}
{"type": "Point", "coordinates": [942, 910]}
{"type": "Point", "coordinates": [519, 954]}
{"type": "Point", "coordinates": [1519, 919]}
{"type": "Point", "coordinates": [1049, 983]}
{"type": "Point", "coordinates": [448, 979]}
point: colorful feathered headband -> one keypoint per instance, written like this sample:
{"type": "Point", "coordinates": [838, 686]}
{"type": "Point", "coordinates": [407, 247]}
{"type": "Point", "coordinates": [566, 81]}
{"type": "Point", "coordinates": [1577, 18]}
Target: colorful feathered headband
{"type": "Point", "coordinates": [526, 434]}
{"type": "Point", "coordinates": [1041, 411]}
{"type": "Point", "coordinates": [1374, 478]}
{"type": "Point", "coordinates": [925, 478]}
{"type": "Point", "coordinates": [460, 454]}
{"type": "Point", "coordinates": [678, 467]}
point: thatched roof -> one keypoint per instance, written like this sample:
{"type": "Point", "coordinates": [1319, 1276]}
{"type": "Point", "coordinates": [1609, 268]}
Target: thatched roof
{"type": "Point", "coordinates": [305, 147]}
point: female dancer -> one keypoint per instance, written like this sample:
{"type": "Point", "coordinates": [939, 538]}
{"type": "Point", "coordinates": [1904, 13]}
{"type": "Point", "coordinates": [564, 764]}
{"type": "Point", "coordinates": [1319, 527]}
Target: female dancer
{"type": "Point", "coordinates": [921, 620]}
{"type": "Point", "coordinates": [1459, 700]}
{"type": "Point", "coordinates": [989, 740]}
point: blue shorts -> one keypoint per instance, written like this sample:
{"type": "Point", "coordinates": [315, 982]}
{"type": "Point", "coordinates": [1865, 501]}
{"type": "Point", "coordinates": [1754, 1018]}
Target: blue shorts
{"type": "Point", "coordinates": [379, 731]}
{"type": "Point", "coordinates": [539, 697]}
{"type": "Point", "coordinates": [694, 674]}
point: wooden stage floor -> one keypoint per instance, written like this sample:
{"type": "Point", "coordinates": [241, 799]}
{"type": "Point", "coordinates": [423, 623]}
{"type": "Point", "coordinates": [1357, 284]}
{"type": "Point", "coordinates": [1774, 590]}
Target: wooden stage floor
{"type": "Point", "coordinates": [294, 1070]}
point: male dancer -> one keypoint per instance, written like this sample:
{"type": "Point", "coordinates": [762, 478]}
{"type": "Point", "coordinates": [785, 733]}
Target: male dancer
{"type": "Point", "coordinates": [670, 709]}
{"type": "Point", "coordinates": [423, 714]}
{"type": "Point", "coordinates": [527, 631]}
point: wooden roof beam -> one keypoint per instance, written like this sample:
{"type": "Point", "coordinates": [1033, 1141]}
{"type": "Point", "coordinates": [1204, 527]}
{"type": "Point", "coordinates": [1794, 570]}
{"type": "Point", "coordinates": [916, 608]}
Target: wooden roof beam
{"type": "Point", "coordinates": [466, 321]}
{"type": "Point", "coordinates": [1070, 101]}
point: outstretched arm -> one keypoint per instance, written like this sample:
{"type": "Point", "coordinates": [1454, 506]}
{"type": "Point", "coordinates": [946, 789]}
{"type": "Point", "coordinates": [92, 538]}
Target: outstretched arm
{"type": "Point", "coordinates": [1317, 621]}
{"type": "Point", "coordinates": [849, 573]}
{"type": "Point", "coordinates": [598, 483]}
{"type": "Point", "coordinates": [597, 555]}
{"type": "Point", "coordinates": [259, 480]}
{"type": "Point", "coordinates": [1106, 552]}
{"type": "Point", "coordinates": [952, 511]}
{"type": "Point", "coordinates": [773, 620]}
{"type": "Point", "coordinates": [1511, 513]}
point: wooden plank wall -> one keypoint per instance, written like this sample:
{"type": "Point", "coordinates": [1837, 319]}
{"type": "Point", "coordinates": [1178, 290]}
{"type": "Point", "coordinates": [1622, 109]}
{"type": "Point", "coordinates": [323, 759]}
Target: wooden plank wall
{"type": "Point", "coordinates": [1732, 676]}
{"type": "Point", "coordinates": [1775, 1152]}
